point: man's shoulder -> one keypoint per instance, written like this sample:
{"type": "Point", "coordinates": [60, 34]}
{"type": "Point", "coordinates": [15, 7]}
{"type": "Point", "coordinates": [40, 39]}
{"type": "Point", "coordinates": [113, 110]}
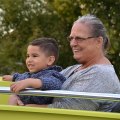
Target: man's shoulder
{"type": "Point", "coordinates": [106, 72]}
{"type": "Point", "coordinates": [103, 68]}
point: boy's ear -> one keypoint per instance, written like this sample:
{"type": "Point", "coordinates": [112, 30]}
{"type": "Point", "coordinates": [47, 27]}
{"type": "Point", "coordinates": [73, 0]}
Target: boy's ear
{"type": "Point", "coordinates": [51, 60]}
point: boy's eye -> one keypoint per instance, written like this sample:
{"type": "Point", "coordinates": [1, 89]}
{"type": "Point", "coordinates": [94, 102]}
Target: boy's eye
{"type": "Point", "coordinates": [35, 55]}
{"type": "Point", "coordinates": [27, 56]}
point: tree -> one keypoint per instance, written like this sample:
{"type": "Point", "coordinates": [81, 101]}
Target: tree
{"type": "Point", "coordinates": [30, 19]}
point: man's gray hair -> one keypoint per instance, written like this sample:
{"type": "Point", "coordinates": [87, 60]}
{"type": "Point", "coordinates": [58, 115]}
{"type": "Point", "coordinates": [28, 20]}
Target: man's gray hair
{"type": "Point", "coordinates": [97, 28]}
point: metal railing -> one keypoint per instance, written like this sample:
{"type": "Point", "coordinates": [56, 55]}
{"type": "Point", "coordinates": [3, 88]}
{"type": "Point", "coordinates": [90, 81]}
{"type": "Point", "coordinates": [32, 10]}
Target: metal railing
{"type": "Point", "coordinates": [64, 93]}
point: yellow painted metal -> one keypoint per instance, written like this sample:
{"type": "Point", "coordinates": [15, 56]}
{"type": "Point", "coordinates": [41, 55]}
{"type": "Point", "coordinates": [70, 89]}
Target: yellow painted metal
{"type": "Point", "coordinates": [4, 97]}
{"type": "Point", "coordinates": [8, 112]}
{"type": "Point", "coordinates": [31, 113]}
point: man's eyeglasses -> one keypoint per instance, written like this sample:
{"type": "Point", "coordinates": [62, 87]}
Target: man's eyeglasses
{"type": "Point", "coordinates": [77, 38]}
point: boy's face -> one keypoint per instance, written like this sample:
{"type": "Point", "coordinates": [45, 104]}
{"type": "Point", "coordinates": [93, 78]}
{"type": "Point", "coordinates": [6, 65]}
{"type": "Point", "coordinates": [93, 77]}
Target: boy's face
{"type": "Point", "coordinates": [37, 59]}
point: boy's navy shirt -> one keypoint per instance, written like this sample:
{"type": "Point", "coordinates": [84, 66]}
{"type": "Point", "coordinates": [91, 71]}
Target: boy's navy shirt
{"type": "Point", "coordinates": [51, 80]}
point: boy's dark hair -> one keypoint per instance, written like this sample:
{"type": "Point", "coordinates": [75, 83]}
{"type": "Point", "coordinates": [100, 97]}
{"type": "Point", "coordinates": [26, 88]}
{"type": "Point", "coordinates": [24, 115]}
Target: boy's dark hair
{"type": "Point", "coordinates": [48, 45]}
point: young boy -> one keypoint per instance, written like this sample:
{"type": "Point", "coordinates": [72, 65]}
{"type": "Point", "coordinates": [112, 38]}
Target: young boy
{"type": "Point", "coordinates": [42, 54]}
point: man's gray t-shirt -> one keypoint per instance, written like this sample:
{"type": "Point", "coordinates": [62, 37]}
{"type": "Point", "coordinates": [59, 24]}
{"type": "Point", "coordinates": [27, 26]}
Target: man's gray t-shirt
{"type": "Point", "coordinates": [95, 79]}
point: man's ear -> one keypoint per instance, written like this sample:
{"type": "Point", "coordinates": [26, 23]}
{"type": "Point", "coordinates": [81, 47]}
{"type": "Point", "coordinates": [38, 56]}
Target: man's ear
{"type": "Point", "coordinates": [100, 40]}
{"type": "Point", "coordinates": [51, 60]}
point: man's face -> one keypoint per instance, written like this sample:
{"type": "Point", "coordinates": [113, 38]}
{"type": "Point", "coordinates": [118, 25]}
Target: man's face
{"type": "Point", "coordinates": [83, 44]}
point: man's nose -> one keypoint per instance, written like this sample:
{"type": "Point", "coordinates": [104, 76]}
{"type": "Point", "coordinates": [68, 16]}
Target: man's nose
{"type": "Point", "coordinates": [73, 42]}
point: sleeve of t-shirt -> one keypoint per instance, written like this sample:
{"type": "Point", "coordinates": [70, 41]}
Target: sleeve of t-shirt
{"type": "Point", "coordinates": [15, 76]}
{"type": "Point", "coordinates": [52, 81]}
{"type": "Point", "coordinates": [18, 76]}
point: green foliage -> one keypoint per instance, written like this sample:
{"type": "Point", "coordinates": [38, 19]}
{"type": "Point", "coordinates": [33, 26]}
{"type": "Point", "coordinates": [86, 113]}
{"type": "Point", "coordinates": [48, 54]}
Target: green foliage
{"type": "Point", "coordinates": [21, 21]}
